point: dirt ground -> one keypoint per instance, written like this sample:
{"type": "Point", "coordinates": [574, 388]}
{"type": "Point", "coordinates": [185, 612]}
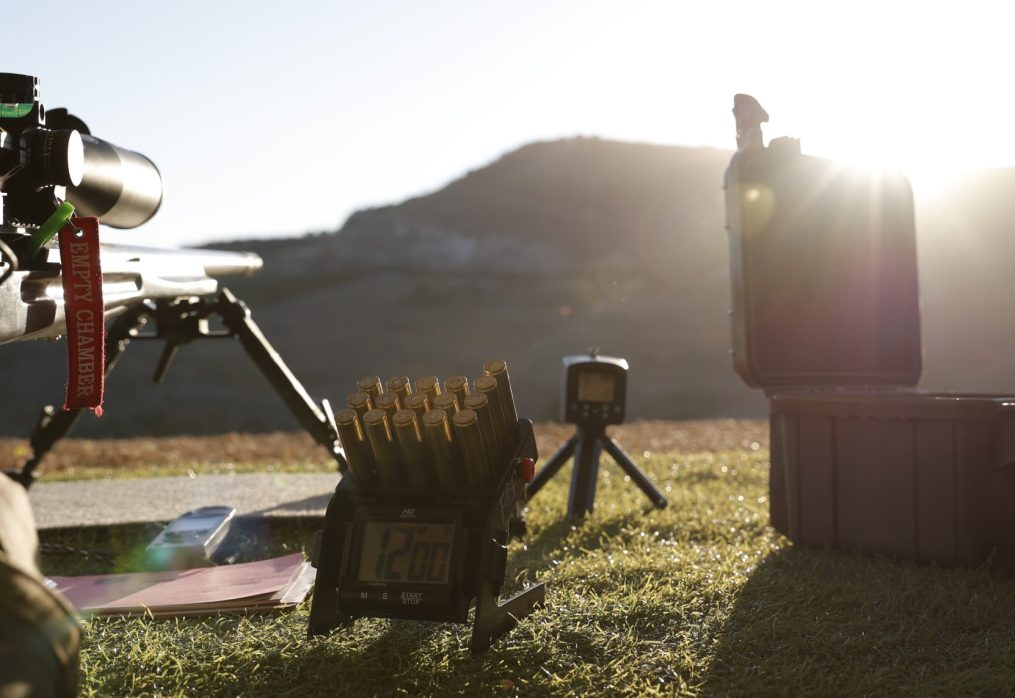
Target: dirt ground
{"type": "Point", "coordinates": [297, 447]}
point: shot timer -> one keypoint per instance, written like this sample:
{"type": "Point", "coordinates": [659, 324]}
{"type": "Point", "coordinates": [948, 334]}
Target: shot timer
{"type": "Point", "coordinates": [426, 552]}
{"type": "Point", "coordinates": [594, 396]}
{"type": "Point", "coordinates": [594, 390]}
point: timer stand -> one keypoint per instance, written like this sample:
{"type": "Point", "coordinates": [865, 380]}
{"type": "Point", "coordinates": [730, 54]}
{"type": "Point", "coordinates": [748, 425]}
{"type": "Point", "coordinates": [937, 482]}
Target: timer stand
{"type": "Point", "coordinates": [586, 447]}
{"type": "Point", "coordinates": [593, 395]}
{"type": "Point", "coordinates": [413, 554]}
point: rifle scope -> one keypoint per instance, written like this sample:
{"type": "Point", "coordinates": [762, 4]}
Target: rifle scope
{"type": "Point", "coordinates": [41, 151]}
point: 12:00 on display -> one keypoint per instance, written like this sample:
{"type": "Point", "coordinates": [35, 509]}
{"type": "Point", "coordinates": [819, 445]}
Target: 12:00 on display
{"type": "Point", "coordinates": [406, 552]}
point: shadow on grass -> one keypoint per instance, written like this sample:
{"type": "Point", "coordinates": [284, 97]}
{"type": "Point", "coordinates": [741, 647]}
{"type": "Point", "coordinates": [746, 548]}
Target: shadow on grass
{"type": "Point", "coordinates": [95, 549]}
{"type": "Point", "coordinates": [829, 623]}
{"type": "Point", "coordinates": [566, 539]}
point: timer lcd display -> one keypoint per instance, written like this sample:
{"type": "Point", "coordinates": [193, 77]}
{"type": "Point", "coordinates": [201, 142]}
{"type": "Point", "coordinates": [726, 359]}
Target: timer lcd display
{"type": "Point", "coordinates": [406, 552]}
{"type": "Point", "coordinates": [595, 386]}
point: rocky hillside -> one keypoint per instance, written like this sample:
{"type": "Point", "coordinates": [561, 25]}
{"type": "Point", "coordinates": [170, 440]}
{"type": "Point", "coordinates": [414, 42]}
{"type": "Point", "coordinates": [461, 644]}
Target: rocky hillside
{"type": "Point", "coordinates": [551, 249]}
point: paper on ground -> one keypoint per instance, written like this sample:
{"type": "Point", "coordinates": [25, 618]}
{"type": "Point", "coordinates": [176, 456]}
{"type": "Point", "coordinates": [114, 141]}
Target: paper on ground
{"type": "Point", "coordinates": [280, 581]}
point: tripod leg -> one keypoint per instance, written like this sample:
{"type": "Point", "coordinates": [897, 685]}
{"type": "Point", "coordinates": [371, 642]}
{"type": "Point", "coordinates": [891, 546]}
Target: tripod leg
{"type": "Point", "coordinates": [639, 478]}
{"type": "Point", "coordinates": [555, 463]}
{"type": "Point", "coordinates": [54, 425]}
{"type": "Point", "coordinates": [583, 479]}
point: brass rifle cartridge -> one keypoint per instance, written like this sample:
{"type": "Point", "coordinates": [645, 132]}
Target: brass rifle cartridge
{"type": "Point", "coordinates": [481, 406]}
{"type": "Point", "coordinates": [428, 386]}
{"type": "Point", "coordinates": [371, 385]}
{"type": "Point", "coordinates": [418, 403]}
{"type": "Point", "coordinates": [442, 449]}
{"type": "Point", "coordinates": [498, 369]}
{"type": "Point", "coordinates": [487, 385]}
{"type": "Point", "coordinates": [447, 402]}
{"type": "Point", "coordinates": [382, 443]}
{"type": "Point", "coordinates": [361, 402]}
{"type": "Point", "coordinates": [388, 402]}
{"type": "Point", "coordinates": [470, 441]}
{"type": "Point", "coordinates": [400, 386]}
{"type": "Point", "coordinates": [410, 445]}
{"type": "Point", "coordinates": [357, 449]}
{"type": "Point", "coordinates": [459, 387]}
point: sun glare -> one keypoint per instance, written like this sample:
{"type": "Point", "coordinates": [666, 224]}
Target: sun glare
{"type": "Point", "coordinates": [931, 170]}
{"type": "Point", "coordinates": [917, 91]}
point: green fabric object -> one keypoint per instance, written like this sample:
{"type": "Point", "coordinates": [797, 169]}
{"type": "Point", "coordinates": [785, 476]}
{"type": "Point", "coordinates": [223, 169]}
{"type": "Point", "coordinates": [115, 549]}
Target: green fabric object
{"type": "Point", "coordinates": [50, 228]}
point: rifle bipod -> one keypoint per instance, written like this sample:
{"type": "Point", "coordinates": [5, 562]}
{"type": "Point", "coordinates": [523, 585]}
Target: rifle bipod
{"type": "Point", "coordinates": [178, 322]}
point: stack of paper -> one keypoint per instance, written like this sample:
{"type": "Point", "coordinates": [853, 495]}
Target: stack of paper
{"type": "Point", "coordinates": [253, 586]}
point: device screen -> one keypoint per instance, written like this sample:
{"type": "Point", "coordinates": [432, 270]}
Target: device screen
{"type": "Point", "coordinates": [196, 523]}
{"type": "Point", "coordinates": [397, 551]}
{"type": "Point", "coordinates": [595, 386]}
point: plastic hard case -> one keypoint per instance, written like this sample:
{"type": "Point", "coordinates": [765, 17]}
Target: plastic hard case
{"type": "Point", "coordinates": [826, 320]}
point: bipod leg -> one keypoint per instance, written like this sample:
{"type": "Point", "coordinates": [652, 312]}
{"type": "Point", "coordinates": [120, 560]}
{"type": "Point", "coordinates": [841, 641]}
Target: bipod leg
{"type": "Point", "coordinates": [493, 619]}
{"type": "Point", "coordinates": [53, 425]}
{"type": "Point", "coordinates": [556, 462]}
{"type": "Point", "coordinates": [236, 317]}
{"type": "Point", "coordinates": [637, 476]}
{"type": "Point", "coordinates": [582, 499]}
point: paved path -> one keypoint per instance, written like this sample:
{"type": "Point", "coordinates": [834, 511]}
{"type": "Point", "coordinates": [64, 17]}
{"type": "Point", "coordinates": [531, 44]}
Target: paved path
{"type": "Point", "coordinates": [127, 501]}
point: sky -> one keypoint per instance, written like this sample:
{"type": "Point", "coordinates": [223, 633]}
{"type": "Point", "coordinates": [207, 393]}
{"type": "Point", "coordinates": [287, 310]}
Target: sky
{"type": "Point", "coordinates": [271, 119]}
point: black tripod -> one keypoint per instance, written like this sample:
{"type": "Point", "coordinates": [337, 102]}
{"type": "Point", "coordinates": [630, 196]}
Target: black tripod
{"type": "Point", "coordinates": [586, 446]}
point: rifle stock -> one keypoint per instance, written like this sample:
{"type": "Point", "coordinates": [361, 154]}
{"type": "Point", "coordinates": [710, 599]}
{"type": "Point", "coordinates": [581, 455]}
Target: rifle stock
{"type": "Point", "coordinates": [31, 301]}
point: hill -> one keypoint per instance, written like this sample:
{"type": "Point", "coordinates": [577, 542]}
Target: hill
{"type": "Point", "coordinates": [551, 249]}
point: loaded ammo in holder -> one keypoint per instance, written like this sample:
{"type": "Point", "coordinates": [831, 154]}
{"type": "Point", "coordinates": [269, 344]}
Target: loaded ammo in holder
{"type": "Point", "coordinates": [498, 369]}
{"type": "Point", "coordinates": [371, 385]}
{"type": "Point", "coordinates": [385, 450]}
{"type": "Point", "coordinates": [410, 445]}
{"type": "Point", "coordinates": [447, 402]}
{"type": "Point", "coordinates": [437, 429]}
{"type": "Point", "coordinates": [479, 404]}
{"type": "Point", "coordinates": [487, 385]}
{"type": "Point", "coordinates": [357, 449]}
{"type": "Point", "coordinates": [436, 437]}
{"type": "Point", "coordinates": [459, 387]}
{"type": "Point", "coordinates": [361, 402]}
{"type": "Point", "coordinates": [418, 403]}
{"type": "Point", "coordinates": [388, 402]}
{"type": "Point", "coordinates": [401, 387]}
{"type": "Point", "coordinates": [428, 386]}
{"type": "Point", "coordinates": [470, 441]}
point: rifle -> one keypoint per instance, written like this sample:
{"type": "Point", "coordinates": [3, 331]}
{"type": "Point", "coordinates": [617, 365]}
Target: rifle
{"type": "Point", "coordinates": [49, 163]}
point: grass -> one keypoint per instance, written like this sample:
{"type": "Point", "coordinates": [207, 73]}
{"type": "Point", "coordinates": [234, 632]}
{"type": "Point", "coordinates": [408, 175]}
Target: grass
{"type": "Point", "coordinates": [702, 598]}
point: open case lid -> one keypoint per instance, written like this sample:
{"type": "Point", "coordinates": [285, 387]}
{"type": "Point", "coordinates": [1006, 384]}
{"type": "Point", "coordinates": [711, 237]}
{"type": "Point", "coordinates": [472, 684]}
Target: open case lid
{"type": "Point", "coordinates": [824, 271]}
